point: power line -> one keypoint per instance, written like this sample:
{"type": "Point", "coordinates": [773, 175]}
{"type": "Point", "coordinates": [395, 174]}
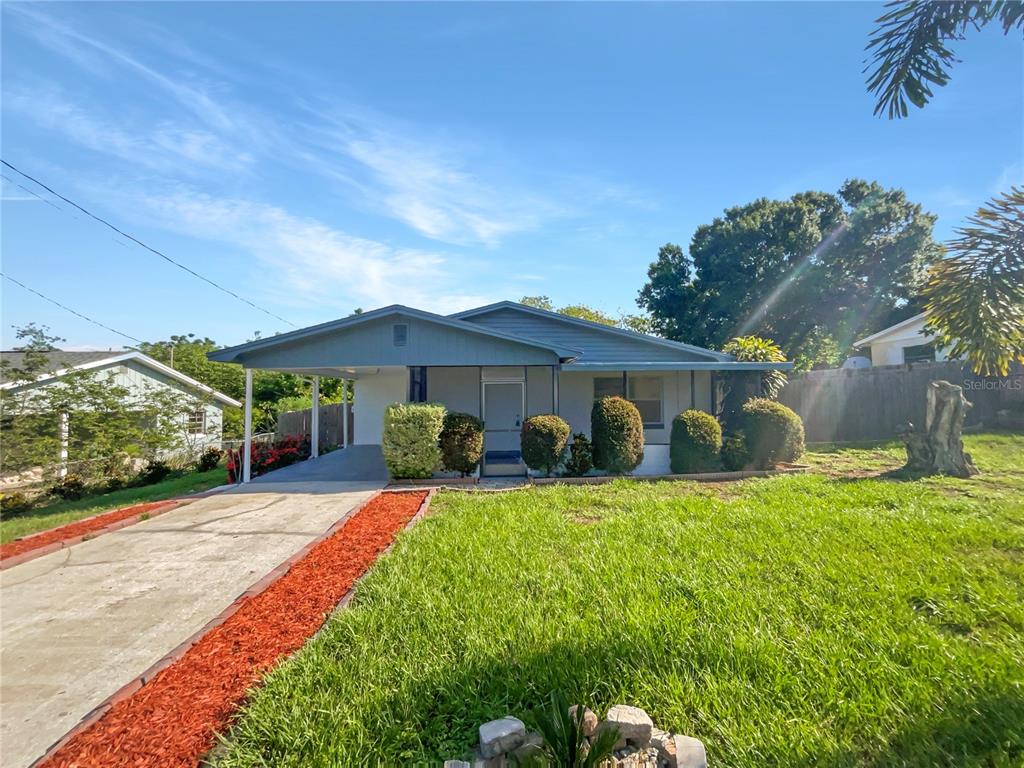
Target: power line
{"type": "Point", "coordinates": [135, 240]}
{"type": "Point", "coordinates": [69, 309]}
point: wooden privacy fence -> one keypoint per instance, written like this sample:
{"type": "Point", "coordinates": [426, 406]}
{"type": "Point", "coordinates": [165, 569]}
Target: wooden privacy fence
{"type": "Point", "coordinates": [300, 423]}
{"type": "Point", "coordinates": [870, 403]}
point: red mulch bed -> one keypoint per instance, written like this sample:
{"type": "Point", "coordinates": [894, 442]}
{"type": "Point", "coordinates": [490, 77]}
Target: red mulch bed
{"type": "Point", "coordinates": [75, 531]}
{"type": "Point", "coordinates": [172, 720]}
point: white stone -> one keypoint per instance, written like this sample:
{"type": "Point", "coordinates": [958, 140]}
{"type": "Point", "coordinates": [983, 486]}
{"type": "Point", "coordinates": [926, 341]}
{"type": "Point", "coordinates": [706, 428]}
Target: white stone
{"type": "Point", "coordinates": [689, 753]}
{"type": "Point", "coordinates": [456, 764]}
{"type": "Point", "coordinates": [500, 736]}
{"type": "Point", "coordinates": [633, 724]}
{"type": "Point", "coordinates": [590, 721]}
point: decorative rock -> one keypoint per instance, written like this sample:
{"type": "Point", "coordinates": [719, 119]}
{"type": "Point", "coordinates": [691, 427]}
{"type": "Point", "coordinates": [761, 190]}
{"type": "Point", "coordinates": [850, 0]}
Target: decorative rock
{"type": "Point", "coordinates": [500, 736]}
{"type": "Point", "coordinates": [689, 753]}
{"type": "Point", "coordinates": [479, 761]}
{"type": "Point", "coordinates": [661, 740]}
{"type": "Point", "coordinates": [589, 719]}
{"type": "Point", "coordinates": [529, 750]}
{"type": "Point", "coordinates": [634, 725]}
{"type": "Point", "coordinates": [456, 764]}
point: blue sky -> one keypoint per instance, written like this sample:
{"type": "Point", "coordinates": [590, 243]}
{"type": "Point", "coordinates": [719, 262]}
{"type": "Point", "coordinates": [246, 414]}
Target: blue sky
{"type": "Point", "coordinates": [321, 157]}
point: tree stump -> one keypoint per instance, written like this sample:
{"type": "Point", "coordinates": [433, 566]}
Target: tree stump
{"type": "Point", "coordinates": [939, 449]}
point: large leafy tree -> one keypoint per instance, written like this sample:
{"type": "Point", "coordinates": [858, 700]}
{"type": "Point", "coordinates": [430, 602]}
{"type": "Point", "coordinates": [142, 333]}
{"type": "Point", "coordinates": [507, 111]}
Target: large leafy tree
{"type": "Point", "coordinates": [974, 298]}
{"type": "Point", "coordinates": [810, 272]}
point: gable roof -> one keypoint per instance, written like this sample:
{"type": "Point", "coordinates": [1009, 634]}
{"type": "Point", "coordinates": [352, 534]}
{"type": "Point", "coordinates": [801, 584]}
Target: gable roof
{"type": "Point", "coordinates": [900, 326]}
{"type": "Point", "coordinates": [235, 354]}
{"type": "Point", "coordinates": [64, 363]}
{"type": "Point", "coordinates": [624, 336]}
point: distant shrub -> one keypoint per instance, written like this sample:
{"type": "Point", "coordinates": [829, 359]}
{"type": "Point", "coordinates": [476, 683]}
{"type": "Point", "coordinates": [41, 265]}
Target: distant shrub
{"type": "Point", "coordinates": [410, 442]}
{"type": "Point", "coordinates": [208, 459]}
{"type": "Point", "coordinates": [773, 432]}
{"type": "Point", "coordinates": [155, 471]}
{"type": "Point", "coordinates": [14, 504]}
{"type": "Point", "coordinates": [115, 483]}
{"type": "Point", "coordinates": [69, 488]}
{"type": "Point", "coordinates": [735, 455]}
{"type": "Point", "coordinates": [462, 442]}
{"type": "Point", "coordinates": [696, 442]}
{"type": "Point", "coordinates": [618, 435]}
{"type": "Point", "coordinates": [543, 441]}
{"type": "Point", "coordinates": [581, 456]}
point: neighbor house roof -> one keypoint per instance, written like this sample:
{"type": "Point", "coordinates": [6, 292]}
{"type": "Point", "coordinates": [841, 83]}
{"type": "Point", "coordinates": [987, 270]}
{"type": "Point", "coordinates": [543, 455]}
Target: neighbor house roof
{"type": "Point", "coordinates": [63, 362]}
{"type": "Point", "coordinates": [892, 329]}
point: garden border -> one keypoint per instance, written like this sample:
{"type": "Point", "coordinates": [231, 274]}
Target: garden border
{"type": "Point", "coordinates": [261, 585]}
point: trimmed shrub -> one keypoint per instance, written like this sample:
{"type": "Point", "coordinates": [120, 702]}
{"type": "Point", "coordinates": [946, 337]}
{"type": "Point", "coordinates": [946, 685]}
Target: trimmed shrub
{"type": "Point", "coordinates": [462, 442]}
{"type": "Point", "coordinates": [208, 459]}
{"type": "Point", "coordinates": [696, 442]}
{"type": "Point", "coordinates": [154, 472]}
{"type": "Point", "coordinates": [543, 441]}
{"type": "Point", "coordinates": [772, 431]}
{"type": "Point", "coordinates": [14, 504]}
{"type": "Point", "coordinates": [410, 442]}
{"type": "Point", "coordinates": [69, 488]}
{"type": "Point", "coordinates": [618, 435]}
{"type": "Point", "coordinates": [581, 456]}
{"type": "Point", "coordinates": [735, 455]}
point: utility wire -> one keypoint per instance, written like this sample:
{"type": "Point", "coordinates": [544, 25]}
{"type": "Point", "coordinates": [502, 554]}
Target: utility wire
{"type": "Point", "coordinates": [69, 309]}
{"type": "Point", "coordinates": [135, 240]}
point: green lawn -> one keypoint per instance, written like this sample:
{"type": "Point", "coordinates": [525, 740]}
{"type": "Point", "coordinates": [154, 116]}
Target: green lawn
{"type": "Point", "coordinates": [802, 620]}
{"type": "Point", "coordinates": [62, 512]}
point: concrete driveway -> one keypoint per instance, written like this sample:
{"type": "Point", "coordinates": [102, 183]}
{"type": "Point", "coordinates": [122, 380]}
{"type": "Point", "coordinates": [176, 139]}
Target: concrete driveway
{"type": "Point", "coordinates": [78, 624]}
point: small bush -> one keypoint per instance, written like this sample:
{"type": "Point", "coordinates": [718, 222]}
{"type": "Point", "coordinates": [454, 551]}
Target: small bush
{"type": "Point", "coordinates": [154, 472]}
{"type": "Point", "coordinates": [773, 432]}
{"type": "Point", "coordinates": [543, 441]}
{"type": "Point", "coordinates": [618, 435]}
{"type": "Point", "coordinates": [462, 442]}
{"type": "Point", "coordinates": [208, 459]}
{"type": "Point", "coordinates": [735, 455]}
{"type": "Point", "coordinates": [696, 442]}
{"type": "Point", "coordinates": [69, 488]}
{"type": "Point", "coordinates": [581, 456]}
{"type": "Point", "coordinates": [410, 442]}
{"type": "Point", "coordinates": [114, 483]}
{"type": "Point", "coordinates": [14, 504]}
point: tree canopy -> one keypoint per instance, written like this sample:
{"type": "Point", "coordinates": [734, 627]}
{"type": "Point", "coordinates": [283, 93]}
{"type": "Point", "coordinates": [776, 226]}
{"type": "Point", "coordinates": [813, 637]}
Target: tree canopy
{"type": "Point", "coordinates": [811, 272]}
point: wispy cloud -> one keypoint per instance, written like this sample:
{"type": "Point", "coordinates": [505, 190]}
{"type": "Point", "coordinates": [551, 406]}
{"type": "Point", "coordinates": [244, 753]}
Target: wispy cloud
{"type": "Point", "coordinates": [313, 262]}
{"type": "Point", "coordinates": [162, 145]}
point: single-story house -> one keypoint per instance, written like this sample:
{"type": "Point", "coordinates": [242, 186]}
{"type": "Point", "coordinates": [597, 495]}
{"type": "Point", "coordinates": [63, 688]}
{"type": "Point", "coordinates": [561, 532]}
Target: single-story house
{"type": "Point", "coordinates": [905, 342]}
{"type": "Point", "coordinates": [502, 362]}
{"type": "Point", "coordinates": [135, 372]}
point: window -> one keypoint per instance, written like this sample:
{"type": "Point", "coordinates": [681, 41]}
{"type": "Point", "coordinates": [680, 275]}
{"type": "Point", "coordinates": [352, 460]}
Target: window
{"type": "Point", "coordinates": [197, 423]}
{"type": "Point", "coordinates": [919, 353]}
{"type": "Point", "coordinates": [400, 334]}
{"type": "Point", "coordinates": [645, 394]}
{"type": "Point", "coordinates": [608, 386]}
{"type": "Point", "coordinates": [418, 384]}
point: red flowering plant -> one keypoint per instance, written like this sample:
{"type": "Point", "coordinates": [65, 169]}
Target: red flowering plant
{"type": "Point", "coordinates": [266, 457]}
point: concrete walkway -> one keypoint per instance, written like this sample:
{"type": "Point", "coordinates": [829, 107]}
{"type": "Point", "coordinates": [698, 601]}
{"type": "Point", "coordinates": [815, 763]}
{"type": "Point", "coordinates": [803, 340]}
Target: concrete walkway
{"type": "Point", "coordinates": [78, 624]}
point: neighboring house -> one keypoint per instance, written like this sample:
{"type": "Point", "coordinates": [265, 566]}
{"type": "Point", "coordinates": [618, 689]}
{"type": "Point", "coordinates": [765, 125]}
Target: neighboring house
{"type": "Point", "coordinates": [502, 362]}
{"type": "Point", "coordinates": [134, 371]}
{"type": "Point", "coordinates": [904, 342]}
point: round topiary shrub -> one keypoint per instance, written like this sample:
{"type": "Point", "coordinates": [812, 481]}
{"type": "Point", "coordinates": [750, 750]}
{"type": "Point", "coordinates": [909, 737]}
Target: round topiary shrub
{"type": "Point", "coordinates": [735, 455]}
{"type": "Point", "coordinates": [410, 440]}
{"type": "Point", "coordinates": [617, 432]}
{"type": "Point", "coordinates": [543, 440]}
{"type": "Point", "coordinates": [696, 442]}
{"type": "Point", "coordinates": [462, 442]}
{"type": "Point", "coordinates": [581, 456]}
{"type": "Point", "coordinates": [773, 432]}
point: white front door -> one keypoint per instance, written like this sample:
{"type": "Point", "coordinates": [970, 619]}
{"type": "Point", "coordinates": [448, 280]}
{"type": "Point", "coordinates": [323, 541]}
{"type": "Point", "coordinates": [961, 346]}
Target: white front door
{"type": "Point", "coordinates": [503, 421]}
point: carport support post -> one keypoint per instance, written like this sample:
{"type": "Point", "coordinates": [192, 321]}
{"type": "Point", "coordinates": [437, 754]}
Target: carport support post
{"type": "Point", "coordinates": [314, 421]}
{"type": "Point", "coordinates": [247, 441]}
{"type": "Point", "coordinates": [344, 413]}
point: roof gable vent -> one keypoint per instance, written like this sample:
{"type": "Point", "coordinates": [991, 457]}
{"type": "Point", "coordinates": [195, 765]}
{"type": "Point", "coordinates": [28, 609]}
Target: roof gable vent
{"type": "Point", "coordinates": [400, 334]}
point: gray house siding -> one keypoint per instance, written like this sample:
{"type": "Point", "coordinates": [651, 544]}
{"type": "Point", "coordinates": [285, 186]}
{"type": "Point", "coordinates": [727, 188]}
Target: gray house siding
{"type": "Point", "coordinates": [598, 345]}
{"type": "Point", "coordinates": [373, 344]}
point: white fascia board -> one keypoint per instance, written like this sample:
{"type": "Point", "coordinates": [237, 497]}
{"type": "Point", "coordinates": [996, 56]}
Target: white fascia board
{"type": "Point", "coordinates": [890, 330]}
{"type": "Point", "coordinates": [724, 365]}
